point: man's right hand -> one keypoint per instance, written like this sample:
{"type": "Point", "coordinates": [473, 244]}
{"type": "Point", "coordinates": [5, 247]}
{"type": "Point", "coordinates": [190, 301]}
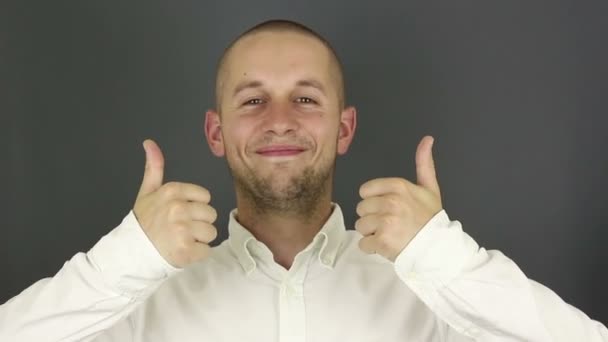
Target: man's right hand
{"type": "Point", "coordinates": [175, 216]}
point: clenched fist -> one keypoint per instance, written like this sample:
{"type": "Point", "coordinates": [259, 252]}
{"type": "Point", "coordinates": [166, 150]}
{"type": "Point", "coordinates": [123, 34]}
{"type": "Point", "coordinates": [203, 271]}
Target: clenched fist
{"type": "Point", "coordinates": [393, 210]}
{"type": "Point", "coordinates": [176, 217]}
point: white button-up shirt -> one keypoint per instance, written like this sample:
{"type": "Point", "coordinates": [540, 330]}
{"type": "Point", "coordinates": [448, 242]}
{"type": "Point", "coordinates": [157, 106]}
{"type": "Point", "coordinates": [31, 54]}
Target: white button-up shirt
{"type": "Point", "coordinates": [442, 287]}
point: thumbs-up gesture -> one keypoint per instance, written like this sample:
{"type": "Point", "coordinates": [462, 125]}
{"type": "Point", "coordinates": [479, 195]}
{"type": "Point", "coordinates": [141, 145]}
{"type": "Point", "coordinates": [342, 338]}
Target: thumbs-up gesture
{"type": "Point", "coordinates": [393, 210]}
{"type": "Point", "coordinates": [175, 216]}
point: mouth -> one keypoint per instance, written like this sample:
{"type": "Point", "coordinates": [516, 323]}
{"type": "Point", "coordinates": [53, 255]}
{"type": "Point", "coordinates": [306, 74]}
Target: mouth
{"type": "Point", "coordinates": [280, 151]}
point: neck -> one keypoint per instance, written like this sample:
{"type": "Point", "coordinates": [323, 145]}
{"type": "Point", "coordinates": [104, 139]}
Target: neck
{"type": "Point", "coordinates": [285, 233]}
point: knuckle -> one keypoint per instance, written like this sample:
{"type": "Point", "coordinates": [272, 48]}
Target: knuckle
{"type": "Point", "coordinates": [388, 220]}
{"type": "Point", "coordinates": [185, 240]}
{"type": "Point", "coordinates": [206, 233]}
{"type": "Point", "coordinates": [383, 240]}
{"type": "Point", "coordinates": [400, 184]}
{"type": "Point", "coordinates": [171, 189]}
{"type": "Point", "coordinates": [181, 253]}
{"type": "Point", "coordinates": [176, 209]}
{"type": "Point", "coordinates": [180, 229]}
{"type": "Point", "coordinates": [393, 203]}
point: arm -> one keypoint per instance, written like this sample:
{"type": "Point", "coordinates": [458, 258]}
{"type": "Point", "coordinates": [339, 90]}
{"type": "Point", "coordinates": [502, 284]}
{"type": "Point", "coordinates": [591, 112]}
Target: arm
{"type": "Point", "coordinates": [92, 291]}
{"type": "Point", "coordinates": [483, 294]}
{"type": "Point", "coordinates": [169, 228]}
{"type": "Point", "coordinates": [480, 294]}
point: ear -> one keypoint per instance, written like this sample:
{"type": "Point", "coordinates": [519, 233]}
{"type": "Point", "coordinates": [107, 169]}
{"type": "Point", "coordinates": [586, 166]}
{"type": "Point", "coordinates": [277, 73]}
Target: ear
{"type": "Point", "coordinates": [348, 123]}
{"type": "Point", "coordinates": [213, 132]}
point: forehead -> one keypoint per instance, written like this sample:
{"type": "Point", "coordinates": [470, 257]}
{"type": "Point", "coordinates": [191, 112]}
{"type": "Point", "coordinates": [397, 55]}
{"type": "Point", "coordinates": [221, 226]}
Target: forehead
{"type": "Point", "coordinates": [277, 57]}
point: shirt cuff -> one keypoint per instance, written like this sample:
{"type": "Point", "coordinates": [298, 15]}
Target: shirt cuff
{"type": "Point", "coordinates": [437, 253]}
{"type": "Point", "coordinates": [128, 260]}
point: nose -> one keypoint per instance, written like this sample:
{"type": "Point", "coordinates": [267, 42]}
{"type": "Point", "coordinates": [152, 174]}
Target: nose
{"type": "Point", "coordinates": [280, 119]}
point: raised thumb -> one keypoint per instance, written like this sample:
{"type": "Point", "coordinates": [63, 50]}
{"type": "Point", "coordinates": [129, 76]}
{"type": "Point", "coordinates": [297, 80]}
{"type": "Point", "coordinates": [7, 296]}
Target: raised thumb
{"type": "Point", "coordinates": [153, 173]}
{"type": "Point", "coordinates": [425, 165]}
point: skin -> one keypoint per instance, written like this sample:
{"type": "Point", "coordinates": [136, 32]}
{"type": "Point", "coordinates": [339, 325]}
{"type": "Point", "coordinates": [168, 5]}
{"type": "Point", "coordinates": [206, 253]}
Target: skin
{"type": "Point", "coordinates": [280, 134]}
{"type": "Point", "coordinates": [278, 92]}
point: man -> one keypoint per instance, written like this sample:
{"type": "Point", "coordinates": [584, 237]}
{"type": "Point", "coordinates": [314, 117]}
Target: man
{"type": "Point", "coordinates": [289, 270]}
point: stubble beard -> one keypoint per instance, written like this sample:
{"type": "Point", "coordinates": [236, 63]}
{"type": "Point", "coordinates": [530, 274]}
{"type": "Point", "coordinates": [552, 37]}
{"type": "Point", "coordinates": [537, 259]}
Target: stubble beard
{"type": "Point", "coordinates": [300, 195]}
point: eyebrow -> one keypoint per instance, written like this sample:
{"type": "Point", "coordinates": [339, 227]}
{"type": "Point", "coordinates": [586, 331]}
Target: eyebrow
{"type": "Point", "coordinates": [311, 83]}
{"type": "Point", "coordinates": [246, 85]}
{"type": "Point", "coordinates": [257, 84]}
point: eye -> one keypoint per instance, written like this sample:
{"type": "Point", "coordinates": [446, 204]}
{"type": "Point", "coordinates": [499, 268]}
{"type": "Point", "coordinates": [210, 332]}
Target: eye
{"type": "Point", "coordinates": [305, 100]}
{"type": "Point", "coordinates": [253, 102]}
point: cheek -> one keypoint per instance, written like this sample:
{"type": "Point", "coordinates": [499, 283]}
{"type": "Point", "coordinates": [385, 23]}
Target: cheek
{"type": "Point", "coordinates": [236, 136]}
{"type": "Point", "coordinates": [324, 131]}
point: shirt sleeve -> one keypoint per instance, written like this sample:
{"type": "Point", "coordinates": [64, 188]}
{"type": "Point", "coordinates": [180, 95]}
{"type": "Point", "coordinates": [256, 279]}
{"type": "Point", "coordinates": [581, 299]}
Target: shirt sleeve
{"type": "Point", "coordinates": [483, 294]}
{"type": "Point", "coordinates": [92, 292]}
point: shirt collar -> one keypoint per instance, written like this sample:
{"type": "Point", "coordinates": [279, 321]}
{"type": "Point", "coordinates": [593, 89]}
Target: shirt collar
{"type": "Point", "coordinates": [327, 241]}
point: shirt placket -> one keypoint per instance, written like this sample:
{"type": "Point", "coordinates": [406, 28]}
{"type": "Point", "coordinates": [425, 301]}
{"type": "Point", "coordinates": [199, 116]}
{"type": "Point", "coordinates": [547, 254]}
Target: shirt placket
{"type": "Point", "coordinates": [292, 313]}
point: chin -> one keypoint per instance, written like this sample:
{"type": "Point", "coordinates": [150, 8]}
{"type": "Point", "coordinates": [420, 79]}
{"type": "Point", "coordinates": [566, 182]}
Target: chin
{"type": "Point", "coordinates": [281, 183]}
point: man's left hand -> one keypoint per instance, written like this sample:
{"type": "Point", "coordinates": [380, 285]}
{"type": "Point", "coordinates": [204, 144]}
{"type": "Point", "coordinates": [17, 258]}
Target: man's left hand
{"type": "Point", "coordinates": [393, 210]}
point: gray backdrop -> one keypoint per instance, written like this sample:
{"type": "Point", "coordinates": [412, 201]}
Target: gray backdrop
{"type": "Point", "coordinates": [513, 91]}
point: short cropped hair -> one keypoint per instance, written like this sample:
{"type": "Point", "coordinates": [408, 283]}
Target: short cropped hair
{"type": "Point", "coordinates": [280, 26]}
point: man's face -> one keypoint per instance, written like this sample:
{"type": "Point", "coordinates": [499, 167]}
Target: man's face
{"type": "Point", "coordinates": [281, 124]}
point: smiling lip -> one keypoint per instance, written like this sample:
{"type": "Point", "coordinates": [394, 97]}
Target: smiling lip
{"type": "Point", "coordinates": [279, 150]}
